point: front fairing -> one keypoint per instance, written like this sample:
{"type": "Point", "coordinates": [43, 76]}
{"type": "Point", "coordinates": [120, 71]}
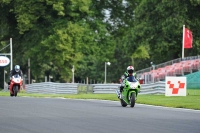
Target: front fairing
{"type": "Point", "coordinates": [133, 85]}
{"type": "Point", "coordinates": [16, 79]}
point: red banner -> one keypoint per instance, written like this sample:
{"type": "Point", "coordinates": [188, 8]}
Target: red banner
{"type": "Point", "coordinates": [188, 38]}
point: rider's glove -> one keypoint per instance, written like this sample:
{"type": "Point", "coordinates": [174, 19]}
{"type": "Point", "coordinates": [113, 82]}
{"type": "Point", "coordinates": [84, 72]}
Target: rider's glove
{"type": "Point", "coordinates": [125, 74]}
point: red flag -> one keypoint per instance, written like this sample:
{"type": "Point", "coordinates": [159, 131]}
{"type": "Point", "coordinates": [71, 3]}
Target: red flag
{"type": "Point", "coordinates": [188, 38]}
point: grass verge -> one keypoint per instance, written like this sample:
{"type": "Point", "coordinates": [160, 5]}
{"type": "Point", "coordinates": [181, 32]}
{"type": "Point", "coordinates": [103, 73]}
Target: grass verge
{"type": "Point", "coordinates": [191, 101]}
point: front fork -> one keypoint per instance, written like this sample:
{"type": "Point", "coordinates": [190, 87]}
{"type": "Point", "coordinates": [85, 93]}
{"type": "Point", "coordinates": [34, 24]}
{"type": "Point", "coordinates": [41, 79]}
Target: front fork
{"type": "Point", "coordinates": [132, 93]}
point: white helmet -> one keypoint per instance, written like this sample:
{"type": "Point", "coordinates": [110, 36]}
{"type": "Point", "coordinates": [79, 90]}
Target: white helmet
{"type": "Point", "coordinates": [17, 68]}
{"type": "Point", "coordinates": [130, 69]}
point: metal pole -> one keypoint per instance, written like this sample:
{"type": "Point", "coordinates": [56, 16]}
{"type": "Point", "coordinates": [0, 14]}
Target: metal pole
{"type": "Point", "coordinates": [73, 74]}
{"type": "Point", "coordinates": [153, 72]}
{"type": "Point", "coordinates": [4, 80]}
{"type": "Point", "coordinates": [11, 58]}
{"type": "Point", "coordinates": [45, 78]}
{"type": "Point", "coordinates": [105, 74]}
{"type": "Point", "coordinates": [183, 42]}
{"type": "Point", "coordinates": [29, 77]}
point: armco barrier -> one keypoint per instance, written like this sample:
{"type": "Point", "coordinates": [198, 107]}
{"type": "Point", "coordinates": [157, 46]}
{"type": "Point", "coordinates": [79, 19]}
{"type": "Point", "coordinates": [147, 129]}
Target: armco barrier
{"type": "Point", "coordinates": [105, 88]}
{"type": "Point", "coordinates": [70, 88]}
{"type": "Point", "coordinates": [84, 88]}
{"type": "Point", "coordinates": [52, 88]}
{"type": "Point", "coordinates": [153, 88]}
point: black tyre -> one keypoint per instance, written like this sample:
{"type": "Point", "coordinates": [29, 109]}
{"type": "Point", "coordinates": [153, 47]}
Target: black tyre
{"type": "Point", "coordinates": [132, 100]}
{"type": "Point", "coordinates": [15, 90]}
{"type": "Point", "coordinates": [123, 103]}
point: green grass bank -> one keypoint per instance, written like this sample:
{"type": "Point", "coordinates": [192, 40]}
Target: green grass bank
{"type": "Point", "coordinates": [191, 101]}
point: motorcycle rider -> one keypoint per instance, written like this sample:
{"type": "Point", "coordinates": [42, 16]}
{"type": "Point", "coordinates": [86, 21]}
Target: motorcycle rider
{"type": "Point", "coordinates": [16, 70]}
{"type": "Point", "coordinates": [129, 73]}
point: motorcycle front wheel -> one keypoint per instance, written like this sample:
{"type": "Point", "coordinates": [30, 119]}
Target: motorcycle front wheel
{"type": "Point", "coordinates": [15, 90]}
{"type": "Point", "coordinates": [132, 100]}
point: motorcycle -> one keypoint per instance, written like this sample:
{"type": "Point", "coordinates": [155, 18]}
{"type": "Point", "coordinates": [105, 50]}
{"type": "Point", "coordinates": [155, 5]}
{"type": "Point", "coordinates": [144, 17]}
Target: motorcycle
{"type": "Point", "coordinates": [15, 84]}
{"type": "Point", "coordinates": [130, 91]}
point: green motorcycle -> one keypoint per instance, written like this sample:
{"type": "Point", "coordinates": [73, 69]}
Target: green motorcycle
{"type": "Point", "coordinates": [130, 91]}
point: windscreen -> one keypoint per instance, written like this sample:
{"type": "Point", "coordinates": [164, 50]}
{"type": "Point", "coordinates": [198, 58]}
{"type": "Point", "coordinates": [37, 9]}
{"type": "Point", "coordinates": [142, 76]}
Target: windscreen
{"type": "Point", "coordinates": [131, 79]}
{"type": "Point", "coordinates": [16, 75]}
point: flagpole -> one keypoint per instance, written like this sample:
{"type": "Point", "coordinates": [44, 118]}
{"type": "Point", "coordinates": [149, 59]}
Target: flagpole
{"type": "Point", "coordinates": [183, 41]}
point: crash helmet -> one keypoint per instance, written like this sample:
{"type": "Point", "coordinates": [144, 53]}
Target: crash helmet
{"type": "Point", "coordinates": [17, 68]}
{"type": "Point", "coordinates": [130, 69]}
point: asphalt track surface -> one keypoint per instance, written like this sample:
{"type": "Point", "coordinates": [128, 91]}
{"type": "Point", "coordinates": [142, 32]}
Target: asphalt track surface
{"type": "Point", "coordinates": [53, 115]}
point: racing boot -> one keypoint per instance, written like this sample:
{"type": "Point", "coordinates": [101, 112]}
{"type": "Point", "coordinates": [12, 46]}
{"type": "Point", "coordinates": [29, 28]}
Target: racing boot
{"type": "Point", "coordinates": [120, 96]}
{"type": "Point", "coordinates": [118, 93]}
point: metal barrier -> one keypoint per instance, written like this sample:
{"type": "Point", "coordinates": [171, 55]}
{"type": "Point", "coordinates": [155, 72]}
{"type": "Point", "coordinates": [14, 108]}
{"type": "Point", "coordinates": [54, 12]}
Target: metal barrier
{"type": "Point", "coordinates": [70, 88]}
{"type": "Point", "coordinates": [84, 88]}
{"type": "Point", "coordinates": [52, 88]}
{"type": "Point", "coordinates": [153, 88]}
{"type": "Point", "coordinates": [105, 88]}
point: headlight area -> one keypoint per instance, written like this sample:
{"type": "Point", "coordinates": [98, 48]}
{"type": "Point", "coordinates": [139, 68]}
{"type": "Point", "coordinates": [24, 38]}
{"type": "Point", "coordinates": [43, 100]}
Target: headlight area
{"type": "Point", "coordinates": [133, 87]}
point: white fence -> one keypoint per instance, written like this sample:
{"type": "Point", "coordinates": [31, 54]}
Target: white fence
{"type": "Point", "coordinates": [70, 88]}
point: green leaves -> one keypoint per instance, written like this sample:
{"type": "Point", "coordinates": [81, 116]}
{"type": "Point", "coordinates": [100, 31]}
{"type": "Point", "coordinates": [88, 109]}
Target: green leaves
{"type": "Point", "coordinates": [59, 8]}
{"type": "Point", "coordinates": [141, 53]}
{"type": "Point", "coordinates": [62, 48]}
{"type": "Point", "coordinates": [57, 34]}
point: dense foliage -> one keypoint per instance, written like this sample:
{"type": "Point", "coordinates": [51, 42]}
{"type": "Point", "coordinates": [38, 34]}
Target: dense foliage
{"type": "Point", "coordinates": [57, 34]}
